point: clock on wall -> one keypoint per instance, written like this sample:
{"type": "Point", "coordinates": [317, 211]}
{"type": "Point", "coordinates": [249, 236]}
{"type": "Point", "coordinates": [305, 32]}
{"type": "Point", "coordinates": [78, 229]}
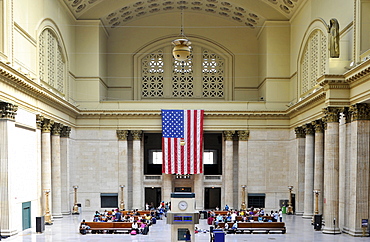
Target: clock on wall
{"type": "Point", "coordinates": [183, 205]}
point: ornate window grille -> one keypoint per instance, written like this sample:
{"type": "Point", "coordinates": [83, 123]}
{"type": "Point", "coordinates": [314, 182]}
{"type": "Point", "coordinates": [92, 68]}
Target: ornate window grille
{"type": "Point", "coordinates": [313, 61]}
{"type": "Point", "coordinates": [153, 75]}
{"type": "Point", "coordinates": [51, 61]}
{"type": "Point", "coordinates": [213, 75]}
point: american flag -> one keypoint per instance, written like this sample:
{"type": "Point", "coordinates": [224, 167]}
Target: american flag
{"type": "Point", "coordinates": [182, 141]}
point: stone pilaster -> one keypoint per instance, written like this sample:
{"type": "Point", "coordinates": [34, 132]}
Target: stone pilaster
{"type": "Point", "coordinates": [359, 168]}
{"type": "Point", "coordinates": [199, 190]}
{"type": "Point", "coordinates": [309, 169]}
{"type": "Point", "coordinates": [228, 169]}
{"type": "Point", "coordinates": [46, 159]}
{"type": "Point", "coordinates": [331, 171]}
{"type": "Point", "coordinates": [300, 137]}
{"type": "Point", "coordinates": [56, 180]}
{"type": "Point", "coordinates": [40, 195]}
{"type": "Point", "coordinates": [319, 161]}
{"type": "Point", "coordinates": [243, 136]}
{"type": "Point", "coordinates": [167, 187]}
{"type": "Point", "coordinates": [123, 162]}
{"type": "Point", "coordinates": [137, 170]}
{"type": "Point", "coordinates": [64, 163]}
{"type": "Point", "coordinates": [7, 129]}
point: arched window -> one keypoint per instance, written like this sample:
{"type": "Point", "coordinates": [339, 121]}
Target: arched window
{"type": "Point", "coordinates": [201, 76]}
{"type": "Point", "coordinates": [52, 64]}
{"type": "Point", "coordinates": [313, 60]}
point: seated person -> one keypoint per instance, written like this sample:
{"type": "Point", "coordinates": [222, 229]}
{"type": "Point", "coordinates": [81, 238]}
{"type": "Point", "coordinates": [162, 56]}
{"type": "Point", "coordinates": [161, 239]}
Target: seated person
{"type": "Point", "coordinates": [260, 218]}
{"type": "Point", "coordinates": [234, 227]}
{"type": "Point", "coordinates": [84, 227]}
{"type": "Point", "coordinates": [135, 226]}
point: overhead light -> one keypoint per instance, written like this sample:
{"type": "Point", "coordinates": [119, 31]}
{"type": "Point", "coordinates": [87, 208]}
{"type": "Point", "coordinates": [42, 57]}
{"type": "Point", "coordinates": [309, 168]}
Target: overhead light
{"type": "Point", "coordinates": [182, 49]}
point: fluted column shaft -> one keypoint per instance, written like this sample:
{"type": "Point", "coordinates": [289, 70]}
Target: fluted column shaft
{"type": "Point", "coordinates": [243, 136]}
{"type": "Point", "coordinates": [137, 170]}
{"type": "Point", "coordinates": [300, 137]}
{"type": "Point", "coordinates": [46, 158]}
{"type": "Point", "coordinates": [40, 194]}
{"type": "Point", "coordinates": [64, 163]}
{"type": "Point", "coordinates": [331, 170]}
{"type": "Point", "coordinates": [227, 176]}
{"type": "Point", "coordinates": [309, 169]}
{"type": "Point", "coordinates": [56, 171]}
{"type": "Point", "coordinates": [7, 129]}
{"type": "Point", "coordinates": [319, 162]}
{"type": "Point", "coordinates": [359, 168]}
{"type": "Point", "coordinates": [123, 162]}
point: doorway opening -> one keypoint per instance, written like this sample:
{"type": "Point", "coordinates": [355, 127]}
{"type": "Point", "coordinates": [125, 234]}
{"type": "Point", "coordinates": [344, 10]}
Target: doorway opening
{"type": "Point", "coordinates": [212, 197]}
{"type": "Point", "coordinates": [153, 196]}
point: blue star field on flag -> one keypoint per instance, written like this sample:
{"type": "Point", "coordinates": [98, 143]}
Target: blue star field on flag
{"type": "Point", "coordinates": [173, 123]}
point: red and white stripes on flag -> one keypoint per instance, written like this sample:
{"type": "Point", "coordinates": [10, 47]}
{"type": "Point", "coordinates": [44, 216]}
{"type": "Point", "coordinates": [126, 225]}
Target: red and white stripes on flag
{"type": "Point", "coordinates": [182, 141]}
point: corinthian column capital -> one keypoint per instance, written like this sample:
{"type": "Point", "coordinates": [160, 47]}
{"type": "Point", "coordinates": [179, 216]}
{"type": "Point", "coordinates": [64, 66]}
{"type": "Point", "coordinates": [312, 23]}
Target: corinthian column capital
{"type": "Point", "coordinates": [318, 126]}
{"type": "Point", "coordinates": [136, 134]}
{"type": "Point", "coordinates": [359, 111]}
{"type": "Point", "coordinates": [66, 131]}
{"type": "Point", "coordinates": [332, 114]}
{"type": "Point", "coordinates": [308, 129]}
{"type": "Point", "coordinates": [243, 135]}
{"type": "Point", "coordinates": [46, 125]}
{"type": "Point", "coordinates": [122, 134]}
{"type": "Point", "coordinates": [8, 110]}
{"type": "Point", "coordinates": [229, 135]}
{"type": "Point", "coordinates": [299, 132]}
{"type": "Point", "coordinates": [56, 128]}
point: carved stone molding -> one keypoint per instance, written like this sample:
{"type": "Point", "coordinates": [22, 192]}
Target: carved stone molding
{"type": "Point", "coordinates": [318, 126]}
{"type": "Point", "coordinates": [347, 114]}
{"type": "Point", "coordinates": [229, 135]}
{"type": "Point", "coordinates": [332, 114]}
{"type": "Point", "coordinates": [66, 131]}
{"type": "Point", "coordinates": [136, 134]}
{"type": "Point", "coordinates": [299, 132]}
{"type": "Point", "coordinates": [359, 111]}
{"type": "Point", "coordinates": [39, 120]}
{"type": "Point", "coordinates": [308, 129]}
{"type": "Point", "coordinates": [8, 110]}
{"type": "Point", "coordinates": [47, 125]}
{"type": "Point", "coordinates": [243, 135]}
{"type": "Point", "coordinates": [56, 129]}
{"type": "Point", "coordinates": [122, 134]}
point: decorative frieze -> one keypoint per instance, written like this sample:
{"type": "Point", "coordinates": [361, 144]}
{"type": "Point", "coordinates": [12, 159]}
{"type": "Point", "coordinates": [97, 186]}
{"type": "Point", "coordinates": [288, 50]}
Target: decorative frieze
{"type": "Point", "coordinates": [299, 132]}
{"type": "Point", "coordinates": [136, 134]}
{"type": "Point", "coordinates": [39, 120]}
{"type": "Point", "coordinates": [318, 126]}
{"type": "Point", "coordinates": [66, 131]}
{"type": "Point", "coordinates": [47, 125]}
{"type": "Point", "coordinates": [8, 110]}
{"type": "Point", "coordinates": [359, 111]}
{"type": "Point", "coordinates": [243, 135]}
{"type": "Point", "coordinates": [308, 129]}
{"type": "Point", "coordinates": [332, 114]}
{"type": "Point", "coordinates": [122, 134]}
{"type": "Point", "coordinates": [56, 128]}
{"type": "Point", "coordinates": [228, 135]}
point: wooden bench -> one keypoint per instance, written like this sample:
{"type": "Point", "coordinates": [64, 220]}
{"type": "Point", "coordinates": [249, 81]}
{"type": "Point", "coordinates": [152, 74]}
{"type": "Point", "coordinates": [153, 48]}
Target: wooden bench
{"type": "Point", "coordinates": [257, 226]}
{"type": "Point", "coordinates": [111, 226]}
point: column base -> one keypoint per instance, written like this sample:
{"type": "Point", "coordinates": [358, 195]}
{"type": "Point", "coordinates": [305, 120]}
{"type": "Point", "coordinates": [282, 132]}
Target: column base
{"type": "Point", "coordinates": [331, 231]}
{"type": "Point", "coordinates": [8, 233]}
{"type": "Point", "coordinates": [59, 215]}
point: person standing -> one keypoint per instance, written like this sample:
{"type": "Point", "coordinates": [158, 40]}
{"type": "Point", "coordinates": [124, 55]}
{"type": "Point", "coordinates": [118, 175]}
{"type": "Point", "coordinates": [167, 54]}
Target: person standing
{"type": "Point", "coordinates": [281, 215]}
{"type": "Point", "coordinates": [187, 235]}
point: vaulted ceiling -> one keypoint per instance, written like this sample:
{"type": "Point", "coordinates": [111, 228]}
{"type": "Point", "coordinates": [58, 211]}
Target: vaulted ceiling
{"type": "Point", "coordinates": [251, 13]}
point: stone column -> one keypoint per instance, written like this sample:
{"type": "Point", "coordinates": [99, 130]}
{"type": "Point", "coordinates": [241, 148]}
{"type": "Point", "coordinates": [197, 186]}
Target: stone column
{"type": "Point", "coordinates": [40, 194]}
{"type": "Point", "coordinates": [167, 187]}
{"type": "Point", "coordinates": [7, 129]}
{"type": "Point", "coordinates": [308, 169]}
{"type": "Point", "coordinates": [123, 162]}
{"type": "Point", "coordinates": [319, 162]}
{"type": "Point", "coordinates": [46, 158]}
{"type": "Point", "coordinates": [331, 171]}
{"type": "Point", "coordinates": [137, 171]}
{"type": "Point", "coordinates": [199, 191]}
{"type": "Point", "coordinates": [346, 198]}
{"type": "Point", "coordinates": [242, 163]}
{"type": "Point", "coordinates": [228, 169]}
{"type": "Point", "coordinates": [64, 163]}
{"type": "Point", "coordinates": [299, 201]}
{"type": "Point", "coordinates": [359, 168]}
{"type": "Point", "coordinates": [56, 180]}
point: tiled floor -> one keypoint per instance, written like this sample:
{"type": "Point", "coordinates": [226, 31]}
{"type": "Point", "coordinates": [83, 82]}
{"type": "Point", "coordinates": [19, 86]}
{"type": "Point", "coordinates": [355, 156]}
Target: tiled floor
{"type": "Point", "coordinates": [66, 229]}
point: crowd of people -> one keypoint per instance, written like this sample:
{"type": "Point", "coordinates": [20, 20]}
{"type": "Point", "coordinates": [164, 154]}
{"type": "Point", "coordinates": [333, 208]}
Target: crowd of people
{"type": "Point", "coordinates": [249, 215]}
